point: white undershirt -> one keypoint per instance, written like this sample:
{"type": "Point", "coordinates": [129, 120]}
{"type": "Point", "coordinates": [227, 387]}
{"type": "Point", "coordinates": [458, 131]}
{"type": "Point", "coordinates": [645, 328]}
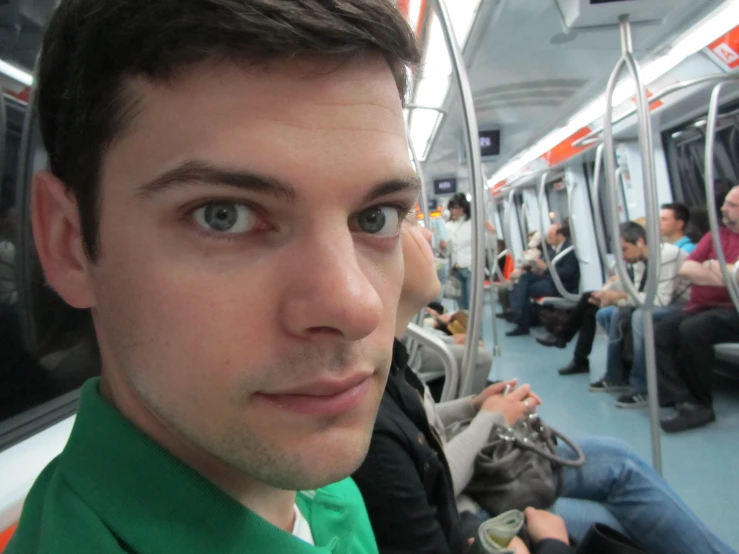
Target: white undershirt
{"type": "Point", "coordinates": [301, 529]}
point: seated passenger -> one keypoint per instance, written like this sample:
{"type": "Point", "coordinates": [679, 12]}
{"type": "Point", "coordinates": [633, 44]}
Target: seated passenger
{"type": "Point", "coordinates": [673, 220]}
{"type": "Point", "coordinates": [243, 278]}
{"type": "Point", "coordinates": [414, 477]}
{"type": "Point", "coordinates": [539, 282]}
{"type": "Point", "coordinates": [603, 307]}
{"type": "Point", "coordinates": [685, 339]}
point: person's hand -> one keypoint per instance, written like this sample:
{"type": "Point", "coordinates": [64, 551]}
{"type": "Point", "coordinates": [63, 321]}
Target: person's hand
{"type": "Point", "coordinates": [442, 244]}
{"type": "Point", "coordinates": [518, 546]}
{"type": "Point", "coordinates": [611, 297]}
{"type": "Point", "coordinates": [432, 312]}
{"type": "Point", "coordinates": [490, 227]}
{"type": "Point", "coordinates": [595, 298]}
{"type": "Point", "coordinates": [514, 406]}
{"type": "Point", "coordinates": [446, 318]}
{"type": "Point", "coordinates": [492, 390]}
{"type": "Point", "coordinates": [544, 525]}
{"type": "Point", "coordinates": [459, 339]}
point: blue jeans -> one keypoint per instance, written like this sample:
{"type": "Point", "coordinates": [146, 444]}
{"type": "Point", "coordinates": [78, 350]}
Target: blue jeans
{"type": "Point", "coordinates": [464, 275]}
{"type": "Point", "coordinates": [638, 501]}
{"type": "Point", "coordinates": [638, 378]}
{"type": "Point", "coordinates": [607, 320]}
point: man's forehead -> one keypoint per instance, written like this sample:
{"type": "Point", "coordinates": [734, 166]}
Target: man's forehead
{"type": "Point", "coordinates": [333, 84]}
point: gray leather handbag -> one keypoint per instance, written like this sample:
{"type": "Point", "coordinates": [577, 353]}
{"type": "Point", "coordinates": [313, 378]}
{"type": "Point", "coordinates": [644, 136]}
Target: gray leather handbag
{"type": "Point", "coordinates": [519, 467]}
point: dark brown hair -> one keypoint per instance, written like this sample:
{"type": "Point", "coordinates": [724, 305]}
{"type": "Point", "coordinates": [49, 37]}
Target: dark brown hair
{"type": "Point", "coordinates": [92, 46]}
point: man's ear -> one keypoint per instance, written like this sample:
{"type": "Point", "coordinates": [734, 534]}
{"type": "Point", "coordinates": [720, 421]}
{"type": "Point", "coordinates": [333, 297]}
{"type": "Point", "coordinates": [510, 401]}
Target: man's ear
{"type": "Point", "coordinates": [58, 237]}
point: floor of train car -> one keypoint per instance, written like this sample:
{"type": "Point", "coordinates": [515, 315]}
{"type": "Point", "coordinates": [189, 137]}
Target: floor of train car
{"type": "Point", "coordinates": [702, 465]}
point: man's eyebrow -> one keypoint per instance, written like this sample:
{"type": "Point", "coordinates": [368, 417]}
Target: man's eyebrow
{"type": "Point", "coordinates": [392, 186]}
{"type": "Point", "coordinates": [195, 171]}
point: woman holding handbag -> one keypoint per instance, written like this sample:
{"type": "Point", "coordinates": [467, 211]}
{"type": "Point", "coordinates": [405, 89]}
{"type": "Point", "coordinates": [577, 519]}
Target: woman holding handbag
{"type": "Point", "coordinates": [414, 476]}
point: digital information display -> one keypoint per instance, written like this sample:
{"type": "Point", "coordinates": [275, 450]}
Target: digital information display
{"type": "Point", "coordinates": [490, 143]}
{"type": "Point", "coordinates": [445, 186]}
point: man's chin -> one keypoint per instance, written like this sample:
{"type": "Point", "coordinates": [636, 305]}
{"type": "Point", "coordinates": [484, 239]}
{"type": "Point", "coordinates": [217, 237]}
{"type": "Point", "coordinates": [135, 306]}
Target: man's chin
{"type": "Point", "coordinates": [324, 464]}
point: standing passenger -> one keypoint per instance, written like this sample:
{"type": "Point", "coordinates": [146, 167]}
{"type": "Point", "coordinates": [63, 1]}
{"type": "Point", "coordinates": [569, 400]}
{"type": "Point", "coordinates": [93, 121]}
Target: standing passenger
{"type": "Point", "coordinates": [459, 229]}
{"type": "Point", "coordinates": [226, 186]}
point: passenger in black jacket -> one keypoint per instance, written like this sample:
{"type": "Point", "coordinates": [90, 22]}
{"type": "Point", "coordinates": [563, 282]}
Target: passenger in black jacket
{"type": "Point", "coordinates": [406, 480]}
{"type": "Point", "coordinates": [539, 282]}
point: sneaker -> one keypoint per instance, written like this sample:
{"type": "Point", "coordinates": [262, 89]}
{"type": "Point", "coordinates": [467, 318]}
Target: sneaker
{"type": "Point", "coordinates": [632, 400]}
{"type": "Point", "coordinates": [607, 386]}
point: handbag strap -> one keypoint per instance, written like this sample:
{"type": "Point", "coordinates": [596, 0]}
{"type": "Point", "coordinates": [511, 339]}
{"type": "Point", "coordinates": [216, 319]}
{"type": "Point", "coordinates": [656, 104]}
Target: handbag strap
{"type": "Point", "coordinates": [526, 443]}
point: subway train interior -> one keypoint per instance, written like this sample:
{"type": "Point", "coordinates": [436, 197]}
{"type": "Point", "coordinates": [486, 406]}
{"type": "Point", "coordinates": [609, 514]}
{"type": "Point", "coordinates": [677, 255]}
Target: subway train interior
{"type": "Point", "coordinates": [581, 113]}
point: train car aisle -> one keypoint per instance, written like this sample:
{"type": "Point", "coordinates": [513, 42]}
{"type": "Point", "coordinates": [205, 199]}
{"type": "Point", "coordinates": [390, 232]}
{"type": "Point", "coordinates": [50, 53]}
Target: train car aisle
{"type": "Point", "coordinates": [699, 464]}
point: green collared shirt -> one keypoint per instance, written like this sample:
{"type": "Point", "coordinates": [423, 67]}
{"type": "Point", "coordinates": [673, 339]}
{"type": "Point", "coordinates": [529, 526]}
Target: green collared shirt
{"type": "Point", "coordinates": [113, 490]}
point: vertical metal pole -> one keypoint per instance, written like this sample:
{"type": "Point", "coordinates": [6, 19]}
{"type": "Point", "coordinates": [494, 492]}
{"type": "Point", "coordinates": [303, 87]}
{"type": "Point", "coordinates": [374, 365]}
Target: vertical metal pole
{"type": "Point", "coordinates": [492, 269]}
{"type": "Point", "coordinates": [650, 200]}
{"type": "Point", "coordinates": [469, 359]}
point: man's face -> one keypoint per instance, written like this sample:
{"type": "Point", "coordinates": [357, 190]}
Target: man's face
{"type": "Point", "coordinates": [250, 264]}
{"type": "Point", "coordinates": [553, 238]}
{"type": "Point", "coordinates": [730, 209]}
{"type": "Point", "coordinates": [631, 252]}
{"type": "Point", "coordinates": [668, 225]}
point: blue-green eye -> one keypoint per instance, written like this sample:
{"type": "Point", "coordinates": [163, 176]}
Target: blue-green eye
{"type": "Point", "coordinates": [225, 217]}
{"type": "Point", "coordinates": [383, 221]}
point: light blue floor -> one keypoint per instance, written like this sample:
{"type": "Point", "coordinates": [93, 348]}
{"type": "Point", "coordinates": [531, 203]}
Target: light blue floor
{"type": "Point", "coordinates": [702, 465]}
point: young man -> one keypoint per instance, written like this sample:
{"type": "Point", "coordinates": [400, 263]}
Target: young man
{"type": "Point", "coordinates": [539, 282]}
{"type": "Point", "coordinates": [601, 307]}
{"type": "Point", "coordinates": [673, 219]}
{"type": "Point", "coordinates": [227, 181]}
{"type": "Point", "coordinates": [685, 340]}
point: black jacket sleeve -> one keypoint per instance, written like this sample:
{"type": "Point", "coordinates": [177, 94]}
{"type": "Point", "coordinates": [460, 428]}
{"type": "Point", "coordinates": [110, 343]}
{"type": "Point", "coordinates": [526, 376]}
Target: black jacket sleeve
{"type": "Point", "coordinates": [401, 517]}
{"type": "Point", "coordinates": [553, 546]}
{"type": "Point", "coordinates": [568, 270]}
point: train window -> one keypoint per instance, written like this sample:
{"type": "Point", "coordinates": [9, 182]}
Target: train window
{"type": "Point", "coordinates": [685, 147]}
{"type": "Point", "coordinates": [557, 200]}
{"type": "Point", "coordinates": [47, 349]}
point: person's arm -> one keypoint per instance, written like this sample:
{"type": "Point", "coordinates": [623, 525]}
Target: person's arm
{"type": "Point", "coordinates": [462, 450]}
{"type": "Point", "coordinates": [401, 516]}
{"type": "Point", "coordinates": [707, 274]}
{"type": "Point", "coordinates": [495, 408]}
{"type": "Point", "coordinates": [698, 267]}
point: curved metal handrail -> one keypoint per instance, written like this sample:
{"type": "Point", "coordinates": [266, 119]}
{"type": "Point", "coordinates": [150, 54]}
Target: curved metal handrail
{"type": "Point", "coordinates": [730, 280]}
{"type": "Point", "coordinates": [552, 262]}
{"type": "Point", "coordinates": [451, 369]}
{"type": "Point", "coordinates": [571, 211]}
{"type": "Point", "coordinates": [645, 139]}
{"type": "Point", "coordinates": [472, 142]}
{"type": "Point", "coordinates": [591, 137]}
{"type": "Point", "coordinates": [509, 221]}
{"type": "Point", "coordinates": [651, 210]}
{"type": "Point", "coordinates": [600, 228]}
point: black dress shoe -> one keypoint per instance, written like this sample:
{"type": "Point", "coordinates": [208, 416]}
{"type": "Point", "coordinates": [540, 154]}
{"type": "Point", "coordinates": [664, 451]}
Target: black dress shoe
{"type": "Point", "coordinates": [573, 368]}
{"type": "Point", "coordinates": [505, 315]}
{"type": "Point", "coordinates": [687, 416]}
{"type": "Point", "coordinates": [517, 332]}
{"type": "Point", "coordinates": [551, 340]}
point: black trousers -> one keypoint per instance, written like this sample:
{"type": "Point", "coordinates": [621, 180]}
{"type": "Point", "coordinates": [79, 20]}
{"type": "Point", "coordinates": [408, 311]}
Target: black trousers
{"type": "Point", "coordinates": [684, 343]}
{"type": "Point", "coordinates": [582, 319]}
